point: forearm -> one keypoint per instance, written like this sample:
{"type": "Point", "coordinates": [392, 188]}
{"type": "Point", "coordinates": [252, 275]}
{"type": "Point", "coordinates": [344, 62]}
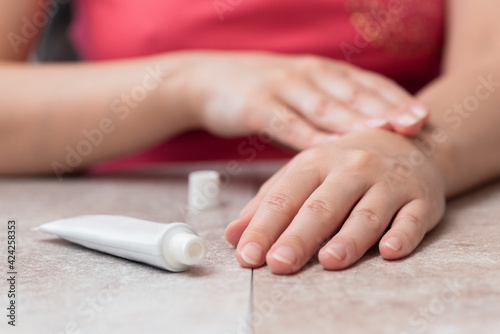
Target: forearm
{"type": "Point", "coordinates": [464, 126]}
{"type": "Point", "coordinates": [98, 110]}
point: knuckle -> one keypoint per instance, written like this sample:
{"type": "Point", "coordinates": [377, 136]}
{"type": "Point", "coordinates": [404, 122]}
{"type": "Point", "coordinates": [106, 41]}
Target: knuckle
{"type": "Point", "coordinates": [370, 216]}
{"type": "Point", "coordinates": [261, 233]}
{"type": "Point", "coordinates": [310, 157]}
{"type": "Point", "coordinates": [380, 82]}
{"type": "Point", "coordinates": [375, 80]}
{"type": "Point", "coordinates": [391, 83]}
{"type": "Point", "coordinates": [306, 164]}
{"type": "Point", "coordinates": [353, 93]}
{"type": "Point", "coordinates": [364, 78]}
{"type": "Point", "coordinates": [280, 201]}
{"type": "Point", "coordinates": [294, 123]}
{"type": "Point", "coordinates": [309, 62]}
{"type": "Point", "coordinates": [321, 109]}
{"type": "Point", "coordinates": [319, 207]}
{"type": "Point", "coordinates": [413, 220]}
{"type": "Point", "coordinates": [278, 74]}
{"type": "Point", "coordinates": [360, 159]}
{"type": "Point", "coordinates": [251, 117]}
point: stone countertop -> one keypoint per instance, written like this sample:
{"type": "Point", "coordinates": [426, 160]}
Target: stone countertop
{"type": "Point", "coordinates": [450, 284]}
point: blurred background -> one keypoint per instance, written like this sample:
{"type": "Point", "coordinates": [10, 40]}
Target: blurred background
{"type": "Point", "coordinates": [54, 44]}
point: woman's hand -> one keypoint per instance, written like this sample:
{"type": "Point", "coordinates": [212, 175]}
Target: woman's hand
{"type": "Point", "coordinates": [300, 101]}
{"type": "Point", "coordinates": [351, 189]}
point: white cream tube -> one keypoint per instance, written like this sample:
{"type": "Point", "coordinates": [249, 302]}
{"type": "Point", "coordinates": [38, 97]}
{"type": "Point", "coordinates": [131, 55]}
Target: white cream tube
{"type": "Point", "coordinates": [173, 246]}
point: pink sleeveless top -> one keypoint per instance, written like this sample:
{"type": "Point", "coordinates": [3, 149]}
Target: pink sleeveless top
{"type": "Point", "coordinates": [401, 39]}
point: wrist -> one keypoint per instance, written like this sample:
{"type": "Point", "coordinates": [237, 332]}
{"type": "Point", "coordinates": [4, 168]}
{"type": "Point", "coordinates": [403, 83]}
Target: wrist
{"type": "Point", "coordinates": [438, 145]}
{"type": "Point", "coordinates": [177, 91]}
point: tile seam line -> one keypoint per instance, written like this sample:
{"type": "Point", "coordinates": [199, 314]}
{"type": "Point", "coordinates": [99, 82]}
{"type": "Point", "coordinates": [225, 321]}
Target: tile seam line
{"type": "Point", "coordinates": [250, 311]}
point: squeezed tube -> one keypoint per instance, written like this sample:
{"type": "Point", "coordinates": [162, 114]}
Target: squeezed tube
{"type": "Point", "coordinates": [173, 246]}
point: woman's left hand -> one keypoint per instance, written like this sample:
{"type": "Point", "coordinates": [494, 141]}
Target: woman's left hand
{"type": "Point", "coordinates": [351, 189]}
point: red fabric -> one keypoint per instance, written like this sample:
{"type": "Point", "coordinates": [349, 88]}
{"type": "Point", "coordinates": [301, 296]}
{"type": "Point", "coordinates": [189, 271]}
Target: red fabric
{"type": "Point", "coordinates": [399, 38]}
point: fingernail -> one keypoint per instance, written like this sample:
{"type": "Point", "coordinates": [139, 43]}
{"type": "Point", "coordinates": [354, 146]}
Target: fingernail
{"type": "Point", "coordinates": [251, 253]}
{"type": "Point", "coordinates": [394, 243]}
{"type": "Point", "coordinates": [406, 120]}
{"type": "Point", "coordinates": [337, 250]}
{"type": "Point", "coordinates": [285, 254]}
{"type": "Point", "coordinates": [376, 123]}
{"type": "Point", "coordinates": [419, 111]}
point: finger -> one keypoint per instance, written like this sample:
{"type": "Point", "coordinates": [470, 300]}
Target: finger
{"type": "Point", "coordinates": [357, 79]}
{"type": "Point", "coordinates": [330, 76]}
{"type": "Point", "coordinates": [336, 85]}
{"type": "Point", "coordinates": [251, 207]}
{"type": "Point", "coordinates": [321, 109]}
{"type": "Point", "coordinates": [384, 87]}
{"type": "Point", "coordinates": [372, 105]}
{"type": "Point", "coordinates": [364, 227]}
{"type": "Point", "coordinates": [409, 121]}
{"type": "Point", "coordinates": [377, 99]}
{"type": "Point", "coordinates": [407, 231]}
{"type": "Point", "coordinates": [358, 117]}
{"type": "Point", "coordinates": [280, 123]}
{"type": "Point", "coordinates": [274, 214]}
{"type": "Point", "coordinates": [235, 229]}
{"type": "Point", "coordinates": [406, 113]}
{"type": "Point", "coordinates": [320, 216]}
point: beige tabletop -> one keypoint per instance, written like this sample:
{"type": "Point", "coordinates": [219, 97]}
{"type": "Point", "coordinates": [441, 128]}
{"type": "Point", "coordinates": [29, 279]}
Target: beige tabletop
{"type": "Point", "coordinates": [451, 283]}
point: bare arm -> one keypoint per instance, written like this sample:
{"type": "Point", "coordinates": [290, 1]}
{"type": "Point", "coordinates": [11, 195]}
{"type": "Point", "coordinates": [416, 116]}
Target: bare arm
{"type": "Point", "coordinates": [465, 100]}
{"type": "Point", "coordinates": [98, 111]}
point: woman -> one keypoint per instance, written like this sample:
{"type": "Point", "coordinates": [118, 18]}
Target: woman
{"type": "Point", "coordinates": [64, 117]}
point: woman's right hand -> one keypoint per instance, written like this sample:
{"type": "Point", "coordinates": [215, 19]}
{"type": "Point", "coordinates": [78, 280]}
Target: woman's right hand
{"type": "Point", "coordinates": [299, 101]}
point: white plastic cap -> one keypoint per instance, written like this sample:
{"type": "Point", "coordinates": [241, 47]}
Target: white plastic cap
{"type": "Point", "coordinates": [204, 189]}
{"type": "Point", "coordinates": [186, 248]}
